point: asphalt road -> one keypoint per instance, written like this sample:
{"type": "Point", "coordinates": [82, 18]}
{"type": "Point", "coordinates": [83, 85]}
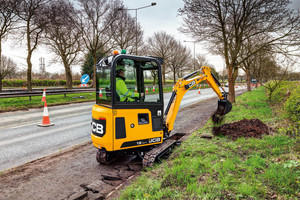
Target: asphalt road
{"type": "Point", "coordinates": [21, 140]}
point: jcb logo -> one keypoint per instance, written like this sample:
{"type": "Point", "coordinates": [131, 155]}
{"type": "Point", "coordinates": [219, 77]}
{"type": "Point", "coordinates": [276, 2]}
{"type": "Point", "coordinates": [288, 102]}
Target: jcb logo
{"type": "Point", "coordinates": [192, 83]}
{"type": "Point", "coordinates": [99, 127]}
{"type": "Point", "coordinates": [154, 140]}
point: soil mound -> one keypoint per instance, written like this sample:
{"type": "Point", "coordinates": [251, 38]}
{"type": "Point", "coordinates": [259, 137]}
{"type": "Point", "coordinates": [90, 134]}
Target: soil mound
{"type": "Point", "coordinates": [244, 128]}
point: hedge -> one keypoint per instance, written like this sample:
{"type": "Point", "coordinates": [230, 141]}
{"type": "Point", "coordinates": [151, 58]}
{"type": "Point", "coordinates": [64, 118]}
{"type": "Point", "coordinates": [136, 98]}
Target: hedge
{"type": "Point", "coordinates": [288, 95]}
{"type": "Point", "coordinates": [292, 105]}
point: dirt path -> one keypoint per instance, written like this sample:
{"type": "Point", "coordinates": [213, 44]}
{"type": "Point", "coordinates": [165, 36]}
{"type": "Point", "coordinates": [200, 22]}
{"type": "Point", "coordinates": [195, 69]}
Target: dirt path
{"type": "Point", "coordinates": [75, 174]}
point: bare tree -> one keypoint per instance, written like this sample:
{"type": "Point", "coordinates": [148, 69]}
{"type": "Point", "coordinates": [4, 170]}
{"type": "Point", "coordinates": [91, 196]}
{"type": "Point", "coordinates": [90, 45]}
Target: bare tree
{"type": "Point", "coordinates": [8, 67]}
{"type": "Point", "coordinates": [226, 24]}
{"type": "Point", "coordinates": [224, 75]}
{"type": "Point", "coordinates": [34, 20]}
{"type": "Point", "coordinates": [201, 61]}
{"type": "Point", "coordinates": [95, 17]}
{"type": "Point", "coordinates": [62, 36]}
{"type": "Point", "coordinates": [124, 32]}
{"type": "Point", "coordinates": [179, 59]}
{"type": "Point", "coordinates": [160, 45]}
{"type": "Point", "coordinates": [249, 65]}
{"type": "Point", "coordinates": [7, 24]}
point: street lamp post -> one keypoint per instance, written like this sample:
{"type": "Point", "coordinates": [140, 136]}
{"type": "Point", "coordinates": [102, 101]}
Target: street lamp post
{"type": "Point", "coordinates": [194, 52]}
{"type": "Point", "coordinates": [136, 9]}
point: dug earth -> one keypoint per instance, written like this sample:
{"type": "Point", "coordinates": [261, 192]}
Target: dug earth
{"type": "Point", "coordinates": [244, 128]}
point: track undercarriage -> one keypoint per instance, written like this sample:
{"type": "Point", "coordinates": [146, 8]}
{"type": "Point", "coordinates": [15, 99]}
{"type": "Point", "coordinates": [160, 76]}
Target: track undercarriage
{"type": "Point", "coordinates": [149, 155]}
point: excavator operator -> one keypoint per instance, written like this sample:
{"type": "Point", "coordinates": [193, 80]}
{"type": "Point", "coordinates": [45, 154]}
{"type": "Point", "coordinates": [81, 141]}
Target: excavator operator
{"type": "Point", "coordinates": [124, 94]}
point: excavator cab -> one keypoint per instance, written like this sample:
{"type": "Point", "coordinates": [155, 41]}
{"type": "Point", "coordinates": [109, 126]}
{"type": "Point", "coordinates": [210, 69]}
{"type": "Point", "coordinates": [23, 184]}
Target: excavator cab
{"type": "Point", "coordinates": [121, 122]}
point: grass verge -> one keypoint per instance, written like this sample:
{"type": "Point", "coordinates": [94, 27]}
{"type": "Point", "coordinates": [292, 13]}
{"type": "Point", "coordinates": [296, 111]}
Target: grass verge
{"type": "Point", "coordinates": [220, 168]}
{"type": "Point", "coordinates": [23, 103]}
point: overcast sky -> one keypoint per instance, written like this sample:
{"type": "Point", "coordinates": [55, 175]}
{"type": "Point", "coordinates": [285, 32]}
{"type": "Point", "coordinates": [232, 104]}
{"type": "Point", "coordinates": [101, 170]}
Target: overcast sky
{"type": "Point", "coordinates": [162, 17]}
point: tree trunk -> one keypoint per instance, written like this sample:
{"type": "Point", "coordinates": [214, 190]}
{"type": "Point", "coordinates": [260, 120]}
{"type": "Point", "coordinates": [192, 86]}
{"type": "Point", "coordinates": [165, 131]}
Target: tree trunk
{"type": "Point", "coordinates": [174, 77]}
{"type": "Point", "coordinates": [257, 81]}
{"type": "Point", "coordinates": [0, 80]}
{"type": "Point", "coordinates": [68, 74]}
{"type": "Point", "coordinates": [0, 66]}
{"type": "Point", "coordinates": [231, 96]}
{"type": "Point", "coordinates": [29, 69]}
{"type": "Point", "coordinates": [248, 80]}
{"type": "Point", "coordinates": [164, 74]}
{"type": "Point", "coordinates": [29, 54]}
{"type": "Point", "coordinates": [94, 74]}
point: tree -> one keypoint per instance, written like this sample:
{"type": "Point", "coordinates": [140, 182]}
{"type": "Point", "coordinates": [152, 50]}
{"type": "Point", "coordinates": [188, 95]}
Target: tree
{"type": "Point", "coordinates": [179, 59]}
{"type": "Point", "coordinates": [95, 17]}
{"type": "Point", "coordinates": [87, 66]}
{"type": "Point", "coordinates": [62, 36]}
{"type": "Point", "coordinates": [201, 61]}
{"type": "Point", "coordinates": [32, 14]}
{"type": "Point", "coordinates": [226, 24]}
{"type": "Point", "coordinates": [7, 24]}
{"type": "Point", "coordinates": [8, 67]}
{"type": "Point", "coordinates": [224, 75]}
{"type": "Point", "coordinates": [160, 45]}
{"type": "Point", "coordinates": [249, 65]}
{"type": "Point", "coordinates": [214, 71]}
{"type": "Point", "coordinates": [124, 32]}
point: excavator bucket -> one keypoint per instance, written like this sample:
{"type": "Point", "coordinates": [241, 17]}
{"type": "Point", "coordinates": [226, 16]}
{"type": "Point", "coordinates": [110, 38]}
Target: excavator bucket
{"type": "Point", "coordinates": [224, 107]}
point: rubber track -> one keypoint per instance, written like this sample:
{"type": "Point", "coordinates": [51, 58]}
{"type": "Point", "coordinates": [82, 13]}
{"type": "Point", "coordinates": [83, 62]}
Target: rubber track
{"type": "Point", "coordinates": [151, 155]}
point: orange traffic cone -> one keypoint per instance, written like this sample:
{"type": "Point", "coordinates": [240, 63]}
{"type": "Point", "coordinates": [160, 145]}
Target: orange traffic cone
{"type": "Point", "coordinates": [46, 119]}
{"type": "Point", "coordinates": [100, 93]}
{"type": "Point", "coordinates": [44, 96]}
{"type": "Point", "coordinates": [199, 90]}
{"type": "Point", "coordinates": [135, 89]}
{"type": "Point", "coordinates": [147, 89]}
{"type": "Point", "coordinates": [153, 88]}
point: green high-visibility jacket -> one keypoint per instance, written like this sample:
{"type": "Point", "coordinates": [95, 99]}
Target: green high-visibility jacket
{"type": "Point", "coordinates": [123, 92]}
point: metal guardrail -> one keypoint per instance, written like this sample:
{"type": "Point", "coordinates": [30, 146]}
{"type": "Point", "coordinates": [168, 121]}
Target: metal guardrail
{"type": "Point", "coordinates": [39, 92]}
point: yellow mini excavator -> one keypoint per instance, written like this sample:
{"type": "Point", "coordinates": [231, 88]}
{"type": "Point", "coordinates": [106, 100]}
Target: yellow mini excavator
{"type": "Point", "coordinates": [139, 126]}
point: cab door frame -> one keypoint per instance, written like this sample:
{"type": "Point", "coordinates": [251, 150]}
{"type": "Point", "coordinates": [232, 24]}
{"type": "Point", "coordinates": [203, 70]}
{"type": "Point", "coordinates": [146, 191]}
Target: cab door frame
{"type": "Point", "coordinates": [130, 123]}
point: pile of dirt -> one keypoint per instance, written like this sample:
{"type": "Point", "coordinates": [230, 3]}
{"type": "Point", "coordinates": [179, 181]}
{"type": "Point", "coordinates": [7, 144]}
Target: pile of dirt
{"type": "Point", "coordinates": [244, 128]}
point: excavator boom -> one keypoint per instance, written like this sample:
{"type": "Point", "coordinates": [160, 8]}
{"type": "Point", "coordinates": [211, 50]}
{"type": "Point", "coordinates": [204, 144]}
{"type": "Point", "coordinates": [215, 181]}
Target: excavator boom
{"type": "Point", "coordinates": [185, 84]}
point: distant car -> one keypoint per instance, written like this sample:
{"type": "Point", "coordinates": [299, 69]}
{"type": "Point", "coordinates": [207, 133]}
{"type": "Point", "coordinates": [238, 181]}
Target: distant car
{"type": "Point", "coordinates": [253, 81]}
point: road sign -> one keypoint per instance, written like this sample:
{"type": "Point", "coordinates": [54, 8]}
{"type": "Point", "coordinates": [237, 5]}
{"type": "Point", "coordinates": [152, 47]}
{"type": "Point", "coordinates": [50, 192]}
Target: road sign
{"type": "Point", "coordinates": [85, 79]}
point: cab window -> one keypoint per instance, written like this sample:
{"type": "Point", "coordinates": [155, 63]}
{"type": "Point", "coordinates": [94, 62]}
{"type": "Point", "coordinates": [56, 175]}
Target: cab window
{"type": "Point", "coordinates": [126, 81]}
{"type": "Point", "coordinates": [103, 85]}
{"type": "Point", "coordinates": [137, 81]}
{"type": "Point", "coordinates": [151, 81]}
